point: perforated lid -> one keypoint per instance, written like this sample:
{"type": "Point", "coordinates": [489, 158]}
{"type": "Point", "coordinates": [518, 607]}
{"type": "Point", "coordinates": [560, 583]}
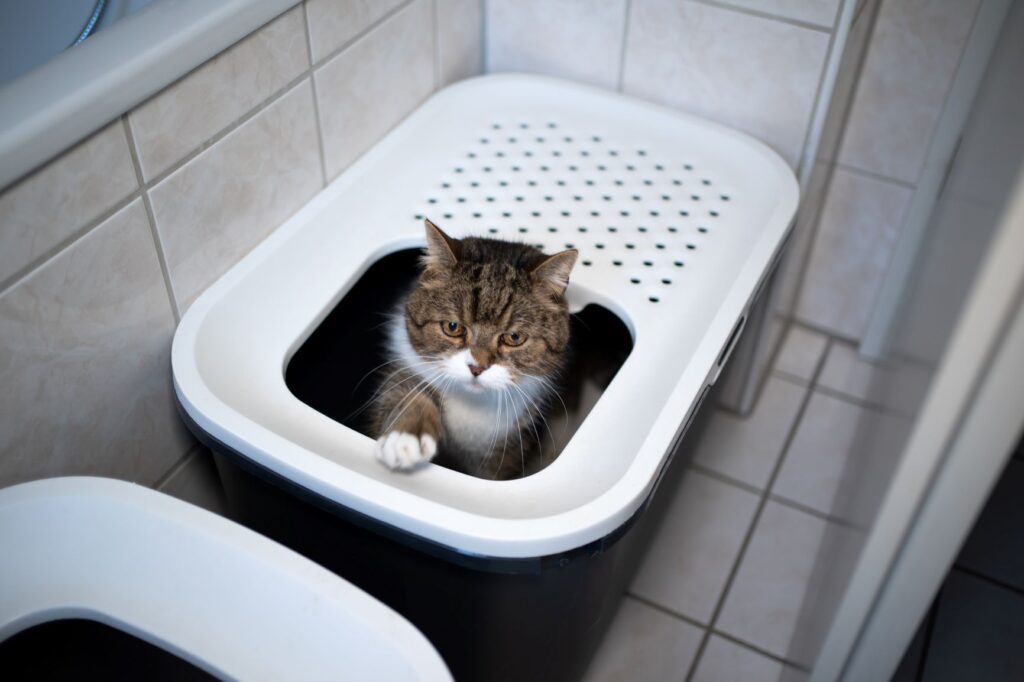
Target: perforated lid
{"type": "Point", "coordinates": [677, 220]}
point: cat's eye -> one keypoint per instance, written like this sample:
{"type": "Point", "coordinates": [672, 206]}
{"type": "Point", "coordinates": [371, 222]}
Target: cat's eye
{"type": "Point", "coordinates": [513, 339]}
{"type": "Point", "coordinates": [452, 328]}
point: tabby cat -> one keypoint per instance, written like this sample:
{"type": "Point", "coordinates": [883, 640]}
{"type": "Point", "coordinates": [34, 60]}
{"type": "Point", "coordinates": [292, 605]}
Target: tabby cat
{"type": "Point", "coordinates": [474, 356]}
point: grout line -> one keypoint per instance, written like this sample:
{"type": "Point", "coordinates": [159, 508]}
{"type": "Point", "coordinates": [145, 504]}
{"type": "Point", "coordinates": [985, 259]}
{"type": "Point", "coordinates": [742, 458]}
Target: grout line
{"type": "Point", "coordinates": [316, 99]}
{"type": "Point", "coordinates": [669, 611]}
{"type": "Point", "coordinates": [755, 520]}
{"type": "Point", "coordinates": [625, 43]}
{"type": "Point", "coordinates": [872, 175]}
{"type": "Point", "coordinates": [765, 15]}
{"type": "Point", "coordinates": [175, 468]}
{"type": "Point", "coordinates": [365, 33]}
{"type": "Point", "coordinates": [830, 334]}
{"type": "Point", "coordinates": [860, 402]}
{"type": "Point", "coordinates": [151, 219]}
{"type": "Point", "coordinates": [987, 578]}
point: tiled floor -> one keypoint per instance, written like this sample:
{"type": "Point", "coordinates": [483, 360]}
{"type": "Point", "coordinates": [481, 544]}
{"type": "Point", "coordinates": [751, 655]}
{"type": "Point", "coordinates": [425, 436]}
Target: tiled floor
{"type": "Point", "coordinates": [718, 595]}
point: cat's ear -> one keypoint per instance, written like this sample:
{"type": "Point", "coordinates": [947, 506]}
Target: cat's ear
{"type": "Point", "coordinates": [553, 271]}
{"type": "Point", "coordinates": [442, 251]}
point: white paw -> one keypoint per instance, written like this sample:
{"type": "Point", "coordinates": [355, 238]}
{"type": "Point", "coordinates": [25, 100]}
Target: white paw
{"type": "Point", "coordinates": [403, 451]}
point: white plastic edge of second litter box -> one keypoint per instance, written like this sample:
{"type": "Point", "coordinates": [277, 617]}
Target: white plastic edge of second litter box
{"type": "Point", "coordinates": [232, 345]}
{"type": "Point", "coordinates": [211, 592]}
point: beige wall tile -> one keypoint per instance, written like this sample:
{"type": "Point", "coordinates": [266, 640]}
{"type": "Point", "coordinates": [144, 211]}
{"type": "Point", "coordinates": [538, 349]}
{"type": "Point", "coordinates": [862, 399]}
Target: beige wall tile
{"type": "Point", "coordinates": [50, 205]}
{"type": "Point", "coordinates": [755, 74]}
{"type": "Point", "coordinates": [859, 227]}
{"type": "Point", "coordinates": [367, 89]}
{"type": "Point", "coordinates": [85, 362]}
{"type": "Point", "coordinates": [818, 12]}
{"type": "Point", "coordinates": [186, 114]}
{"type": "Point", "coordinates": [215, 208]}
{"type": "Point", "coordinates": [644, 645]}
{"type": "Point", "coordinates": [696, 546]}
{"type": "Point", "coordinates": [576, 39]}
{"type": "Point", "coordinates": [332, 23]}
{"type": "Point", "coordinates": [914, 53]}
{"type": "Point", "coordinates": [763, 604]}
{"type": "Point", "coordinates": [747, 448]}
{"type": "Point", "coordinates": [459, 39]}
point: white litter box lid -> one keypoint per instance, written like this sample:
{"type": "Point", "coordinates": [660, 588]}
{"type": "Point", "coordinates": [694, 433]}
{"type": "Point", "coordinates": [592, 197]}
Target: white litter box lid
{"type": "Point", "coordinates": [677, 221]}
{"type": "Point", "coordinates": [211, 592]}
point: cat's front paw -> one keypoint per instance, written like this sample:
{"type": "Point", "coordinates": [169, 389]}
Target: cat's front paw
{"type": "Point", "coordinates": [403, 451]}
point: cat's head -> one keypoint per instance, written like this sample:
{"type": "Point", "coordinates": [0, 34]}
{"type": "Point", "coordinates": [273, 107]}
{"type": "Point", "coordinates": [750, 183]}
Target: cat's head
{"type": "Point", "coordinates": [487, 314]}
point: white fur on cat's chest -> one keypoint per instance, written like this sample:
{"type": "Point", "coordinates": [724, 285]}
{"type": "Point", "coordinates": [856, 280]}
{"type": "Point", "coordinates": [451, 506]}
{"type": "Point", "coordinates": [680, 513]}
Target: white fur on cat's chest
{"type": "Point", "coordinates": [476, 421]}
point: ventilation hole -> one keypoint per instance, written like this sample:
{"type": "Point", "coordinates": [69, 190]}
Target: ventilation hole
{"type": "Point", "coordinates": [503, 183]}
{"type": "Point", "coordinates": [691, 247]}
{"type": "Point", "coordinates": [531, 183]}
{"type": "Point", "coordinates": [447, 216]}
{"type": "Point", "coordinates": [458, 170]}
{"type": "Point", "coordinates": [641, 229]}
{"type": "Point", "coordinates": [612, 152]}
{"type": "Point", "coordinates": [577, 198]}
{"type": "Point", "coordinates": [595, 214]}
{"type": "Point", "coordinates": [705, 182]}
{"type": "Point", "coordinates": [418, 216]}
{"type": "Point", "coordinates": [619, 183]}
{"type": "Point", "coordinates": [515, 169]}
{"type": "Point", "coordinates": [648, 263]}
{"type": "Point", "coordinates": [606, 197]}
{"type": "Point", "coordinates": [599, 246]}
{"type": "Point", "coordinates": [524, 126]}
{"type": "Point", "coordinates": [665, 197]}
{"type": "Point", "coordinates": [677, 182]}
{"type": "Point", "coordinates": [584, 153]}
{"type": "Point", "coordinates": [484, 140]}
{"type": "Point", "coordinates": [477, 215]}
{"type": "Point", "coordinates": [523, 230]}
{"type": "Point", "coordinates": [673, 230]}
{"type": "Point", "coordinates": [549, 198]}
{"type": "Point", "coordinates": [587, 263]}
{"type": "Point", "coordinates": [461, 200]}
{"type": "Point", "coordinates": [540, 140]}
{"type": "Point", "coordinates": [519, 198]}
{"type": "Point", "coordinates": [491, 199]}
{"type": "Point", "coordinates": [567, 139]}
{"type": "Point", "coordinates": [713, 214]}
{"type": "Point", "coordinates": [684, 213]}
{"type": "Point", "coordinates": [631, 168]}
{"type": "Point", "coordinates": [472, 184]}
{"type": "Point", "coordinates": [617, 263]}
{"type": "Point", "coordinates": [634, 280]}
{"type": "Point", "coordinates": [492, 230]}
{"type": "Point", "coordinates": [653, 299]}
{"type": "Point", "coordinates": [500, 155]}
{"type": "Point", "coordinates": [512, 140]}
{"type": "Point", "coordinates": [581, 229]}
{"type": "Point", "coordinates": [702, 229]}
{"type": "Point", "coordinates": [560, 183]}
{"type": "Point", "coordinates": [624, 214]}
{"type": "Point", "coordinates": [535, 214]}
{"type": "Point", "coordinates": [431, 200]}
{"type": "Point", "coordinates": [654, 214]}
{"type": "Point", "coordinates": [573, 168]}
{"type": "Point", "coordinates": [725, 197]}
{"type": "Point", "coordinates": [602, 168]}
{"type": "Point", "coordinates": [589, 183]}
{"type": "Point", "coordinates": [659, 167]}
{"type": "Point", "coordinates": [446, 185]}
{"type": "Point", "coordinates": [678, 263]}
{"type": "Point", "coordinates": [528, 153]}
{"type": "Point", "coordinates": [612, 229]}
{"type": "Point", "coordinates": [566, 214]}
{"type": "Point", "coordinates": [630, 246]}
{"type": "Point", "coordinates": [556, 153]}
{"type": "Point", "coordinates": [570, 245]}
{"type": "Point", "coordinates": [487, 169]}
{"type": "Point", "coordinates": [539, 246]}
{"type": "Point", "coordinates": [641, 152]}
{"type": "Point", "coordinates": [506, 214]}
{"type": "Point", "coordinates": [660, 247]}
{"type": "Point", "coordinates": [687, 166]}
{"type": "Point", "coordinates": [595, 138]}
{"type": "Point", "coordinates": [552, 125]}
{"type": "Point", "coordinates": [552, 229]}
{"type": "Point", "coordinates": [495, 126]}
{"type": "Point", "coordinates": [545, 169]}
{"type": "Point", "coordinates": [648, 182]}
{"type": "Point", "coordinates": [666, 280]}
{"type": "Point", "coordinates": [636, 197]}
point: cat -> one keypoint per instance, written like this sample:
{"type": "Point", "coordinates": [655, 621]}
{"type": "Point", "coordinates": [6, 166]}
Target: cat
{"type": "Point", "coordinates": [475, 352]}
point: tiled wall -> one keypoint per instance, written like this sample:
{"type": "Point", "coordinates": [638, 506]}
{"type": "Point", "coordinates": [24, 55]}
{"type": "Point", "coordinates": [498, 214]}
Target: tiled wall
{"type": "Point", "coordinates": [104, 247]}
{"type": "Point", "coordinates": [912, 56]}
{"type": "Point", "coordinates": [754, 65]}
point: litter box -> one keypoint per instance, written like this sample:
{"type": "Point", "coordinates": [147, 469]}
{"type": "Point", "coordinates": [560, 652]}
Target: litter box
{"type": "Point", "coordinates": [678, 222]}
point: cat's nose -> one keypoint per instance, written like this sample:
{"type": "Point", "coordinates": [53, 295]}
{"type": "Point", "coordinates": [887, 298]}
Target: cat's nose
{"type": "Point", "coordinates": [476, 370]}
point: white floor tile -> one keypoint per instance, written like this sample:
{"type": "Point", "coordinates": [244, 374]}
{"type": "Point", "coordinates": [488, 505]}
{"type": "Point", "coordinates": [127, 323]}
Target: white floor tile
{"type": "Point", "coordinates": [832, 435]}
{"type": "Point", "coordinates": [764, 601]}
{"type": "Point", "coordinates": [725, 661]}
{"type": "Point", "coordinates": [747, 449]}
{"type": "Point", "coordinates": [696, 546]}
{"type": "Point", "coordinates": [644, 645]}
{"type": "Point", "coordinates": [800, 353]}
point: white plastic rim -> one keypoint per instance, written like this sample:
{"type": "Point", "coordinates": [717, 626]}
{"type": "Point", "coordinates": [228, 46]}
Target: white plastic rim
{"type": "Point", "coordinates": [677, 221]}
{"type": "Point", "coordinates": [213, 593]}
